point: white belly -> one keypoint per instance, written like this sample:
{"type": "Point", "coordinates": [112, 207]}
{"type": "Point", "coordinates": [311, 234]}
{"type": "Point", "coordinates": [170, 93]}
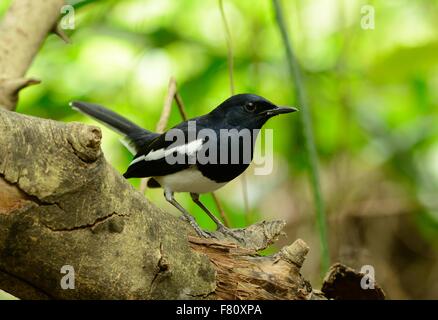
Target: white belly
{"type": "Point", "coordinates": [188, 180]}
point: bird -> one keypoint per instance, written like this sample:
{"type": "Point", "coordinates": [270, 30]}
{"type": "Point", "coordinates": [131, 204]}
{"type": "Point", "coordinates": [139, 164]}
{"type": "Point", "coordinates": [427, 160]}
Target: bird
{"type": "Point", "coordinates": [197, 156]}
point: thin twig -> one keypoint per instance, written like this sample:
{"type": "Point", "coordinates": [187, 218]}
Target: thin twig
{"type": "Point", "coordinates": [246, 208]}
{"type": "Point", "coordinates": [306, 121]}
{"type": "Point", "coordinates": [221, 210]}
{"type": "Point", "coordinates": [229, 47]}
{"type": "Point", "coordinates": [172, 93]}
{"type": "Point", "coordinates": [183, 113]}
{"type": "Point", "coordinates": [164, 119]}
{"type": "Point", "coordinates": [180, 104]}
{"type": "Point", "coordinates": [232, 91]}
{"type": "Point", "coordinates": [167, 108]}
{"type": "Point", "coordinates": [61, 33]}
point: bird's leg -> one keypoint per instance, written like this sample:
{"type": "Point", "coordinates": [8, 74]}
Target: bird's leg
{"type": "Point", "coordinates": [170, 198]}
{"type": "Point", "coordinates": [220, 226]}
{"type": "Point", "coordinates": [195, 198]}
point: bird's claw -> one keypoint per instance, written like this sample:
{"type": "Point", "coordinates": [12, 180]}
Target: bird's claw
{"type": "Point", "coordinates": [226, 231]}
{"type": "Point", "coordinates": [199, 231]}
{"type": "Point", "coordinates": [205, 234]}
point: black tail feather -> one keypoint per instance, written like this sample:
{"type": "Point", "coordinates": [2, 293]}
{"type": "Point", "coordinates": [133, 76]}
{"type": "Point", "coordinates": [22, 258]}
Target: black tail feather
{"type": "Point", "coordinates": [137, 136]}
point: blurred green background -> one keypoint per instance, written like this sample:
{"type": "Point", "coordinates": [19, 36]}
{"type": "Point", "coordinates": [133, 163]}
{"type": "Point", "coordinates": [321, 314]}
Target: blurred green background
{"type": "Point", "coordinates": [372, 93]}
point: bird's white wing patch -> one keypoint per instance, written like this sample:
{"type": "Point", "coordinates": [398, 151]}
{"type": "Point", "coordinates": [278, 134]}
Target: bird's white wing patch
{"type": "Point", "coordinates": [188, 149]}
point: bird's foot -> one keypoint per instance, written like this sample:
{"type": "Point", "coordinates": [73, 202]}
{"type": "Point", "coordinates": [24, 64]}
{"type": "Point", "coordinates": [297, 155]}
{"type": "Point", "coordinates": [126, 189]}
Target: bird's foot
{"type": "Point", "coordinates": [229, 232]}
{"type": "Point", "coordinates": [194, 224]}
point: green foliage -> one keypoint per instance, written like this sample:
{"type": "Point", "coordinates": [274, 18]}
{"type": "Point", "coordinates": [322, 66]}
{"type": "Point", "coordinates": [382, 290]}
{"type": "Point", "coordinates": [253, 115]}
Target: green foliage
{"type": "Point", "coordinates": [306, 124]}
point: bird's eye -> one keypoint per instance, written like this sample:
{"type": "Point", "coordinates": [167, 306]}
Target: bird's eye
{"type": "Point", "coordinates": [250, 107]}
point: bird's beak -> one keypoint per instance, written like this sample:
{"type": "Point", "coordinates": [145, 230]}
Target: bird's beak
{"type": "Point", "coordinates": [280, 110]}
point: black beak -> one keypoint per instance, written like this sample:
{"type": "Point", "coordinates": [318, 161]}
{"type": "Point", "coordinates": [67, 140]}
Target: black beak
{"type": "Point", "coordinates": [280, 110]}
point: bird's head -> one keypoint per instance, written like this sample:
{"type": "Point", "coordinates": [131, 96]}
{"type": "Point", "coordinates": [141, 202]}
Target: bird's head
{"type": "Point", "coordinates": [248, 111]}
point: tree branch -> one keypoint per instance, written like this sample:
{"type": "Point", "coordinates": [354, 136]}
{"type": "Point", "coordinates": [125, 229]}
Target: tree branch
{"type": "Point", "coordinates": [22, 32]}
{"type": "Point", "coordinates": [62, 204]}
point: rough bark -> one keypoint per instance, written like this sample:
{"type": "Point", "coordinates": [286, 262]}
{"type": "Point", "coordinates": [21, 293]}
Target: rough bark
{"type": "Point", "coordinates": [243, 275]}
{"type": "Point", "coordinates": [22, 32]}
{"type": "Point", "coordinates": [62, 204]}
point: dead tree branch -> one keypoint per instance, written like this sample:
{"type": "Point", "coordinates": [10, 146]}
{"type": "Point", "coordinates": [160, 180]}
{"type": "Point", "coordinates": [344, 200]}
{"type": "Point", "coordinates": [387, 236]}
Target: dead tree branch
{"type": "Point", "coordinates": [62, 204]}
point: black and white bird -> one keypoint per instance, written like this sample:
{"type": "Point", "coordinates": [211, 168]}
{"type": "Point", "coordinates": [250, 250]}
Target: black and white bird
{"type": "Point", "coordinates": [199, 155]}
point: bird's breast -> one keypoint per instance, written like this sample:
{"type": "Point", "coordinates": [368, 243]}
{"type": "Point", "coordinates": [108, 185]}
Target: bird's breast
{"type": "Point", "coordinates": [189, 180]}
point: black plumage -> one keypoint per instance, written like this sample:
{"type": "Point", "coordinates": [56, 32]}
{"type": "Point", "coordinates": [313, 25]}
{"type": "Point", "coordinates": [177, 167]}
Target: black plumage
{"type": "Point", "coordinates": [243, 113]}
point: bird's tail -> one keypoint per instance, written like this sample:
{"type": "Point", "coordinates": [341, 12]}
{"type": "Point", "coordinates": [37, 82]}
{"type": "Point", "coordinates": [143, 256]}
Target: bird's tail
{"type": "Point", "coordinates": [135, 137]}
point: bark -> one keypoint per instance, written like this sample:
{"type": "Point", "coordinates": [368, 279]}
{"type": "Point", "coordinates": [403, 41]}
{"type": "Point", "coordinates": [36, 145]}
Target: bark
{"type": "Point", "coordinates": [62, 204]}
{"type": "Point", "coordinates": [22, 32]}
{"type": "Point", "coordinates": [344, 283]}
